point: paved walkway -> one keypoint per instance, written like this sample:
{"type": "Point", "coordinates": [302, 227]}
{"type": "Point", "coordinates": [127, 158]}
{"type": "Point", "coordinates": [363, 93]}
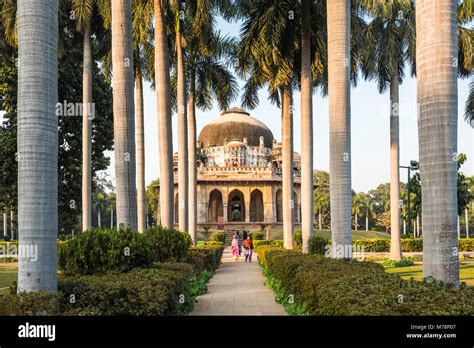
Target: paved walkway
{"type": "Point", "coordinates": [238, 288]}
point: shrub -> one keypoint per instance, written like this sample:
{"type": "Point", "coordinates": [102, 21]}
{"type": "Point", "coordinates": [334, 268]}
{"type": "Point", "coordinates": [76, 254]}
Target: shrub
{"type": "Point", "coordinates": [466, 244]}
{"type": "Point", "coordinates": [262, 251]}
{"type": "Point", "coordinates": [168, 245]}
{"type": "Point", "coordinates": [26, 304]}
{"type": "Point", "coordinates": [258, 236]}
{"type": "Point", "coordinates": [218, 237]}
{"type": "Point", "coordinates": [324, 286]}
{"type": "Point", "coordinates": [152, 291]}
{"type": "Point", "coordinates": [401, 263]}
{"type": "Point", "coordinates": [102, 250]}
{"type": "Point", "coordinates": [298, 238]}
{"type": "Point", "coordinates": [206, 257]}
{"type": "Point", "coordinates": [317, 245]}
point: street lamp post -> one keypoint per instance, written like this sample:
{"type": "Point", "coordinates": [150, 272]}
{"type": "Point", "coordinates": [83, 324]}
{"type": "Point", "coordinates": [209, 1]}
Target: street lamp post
{"type": "Point", "coordinates": [414, 165]}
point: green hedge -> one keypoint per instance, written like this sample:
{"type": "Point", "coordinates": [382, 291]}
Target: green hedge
{"type": "Point", "coordinates": [205, 257]}
{"type": "Point", "coordinates": [324, 286]}
{"type": "Point", "coordinates": [163, 289]}
{"type": "Point", "coordinates": [218, 237]}
{"type": "Point", "coordinates": [275, 242]}
{"type": "Point", "coordinates": [103, 250]}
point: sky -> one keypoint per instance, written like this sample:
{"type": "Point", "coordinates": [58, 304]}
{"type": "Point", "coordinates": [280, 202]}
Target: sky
{"type": "Point", "coordinates": [369, 128]}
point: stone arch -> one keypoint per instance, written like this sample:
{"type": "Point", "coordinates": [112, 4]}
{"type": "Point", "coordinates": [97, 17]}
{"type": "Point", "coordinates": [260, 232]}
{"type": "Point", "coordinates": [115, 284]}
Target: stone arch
{"type": "Point", "coordinates": [256, 206]}
{"type": "Point", "coordinates": [215, 208]}
{"type": "Point", "coordinates": [279, 205]}
{"type": "Point", "coordinates": [176, 208]}
{"type": "Point", "coordinates": [236, 206]}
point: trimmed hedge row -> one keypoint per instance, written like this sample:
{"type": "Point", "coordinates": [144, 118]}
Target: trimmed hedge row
{"type": "Point", "coordinates": [317, 244]}
{"type": "Point", "coordinates": [275, 242]}
{"type": "Point", "coordinates": [163, 289]}
{"type": "Point", "coordinates": [205, 257]}
{"type": "Point", "coordinates": [324, 286]}
{"type": "Point", "coordinates": [103, 250]}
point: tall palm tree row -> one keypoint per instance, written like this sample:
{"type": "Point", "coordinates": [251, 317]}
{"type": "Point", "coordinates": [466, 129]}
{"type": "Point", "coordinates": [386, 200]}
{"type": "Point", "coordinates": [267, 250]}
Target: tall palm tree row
{"type": "Point", "coordinates": [436, 66]}
{"type": "Point", "coordinates": [37, 143]}
{"type": "Point", "coordinates": [391, 41]}
{"type": "Point", "coordinates": [163, 111]}
{"type": "Point", "coordinates": [338, 19]}
{"type": "Point", "coordinates": [124, 113]}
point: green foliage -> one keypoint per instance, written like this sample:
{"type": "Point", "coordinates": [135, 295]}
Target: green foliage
{"type": "Point", "coordinates": [317, 245]}
{"type": "Point", "coordinates": [322, 205]}
{"type": "Point", "coordinates": [103, 250]}
{"type": "Point", "coordinates": [298, 238]}
{"type": "Point", "coordinates": [275, 242]}
{"type": "Point", "coordinates": [218, 237]}
{"type": "Point", "coordinates": [393, 263]}
{"type": "Point", "coordinates": [324, 286]}
{"type": "Point", "coordinates": [466, 244]}
{"type": "Point", "coordinates": [168, 245]}
{"type": "Point", "coordinates": [29, 304]}
{"type": "Point", "coordinates": [206, 257]}
{"type": "Point", "coordinates": [258, 236]}
{"type": "Point", "coordinates": [152, 194]}
{"type": "Point", "coordinates": [199, 283]}
{"type": "Point", "coordinates": [263, 227]}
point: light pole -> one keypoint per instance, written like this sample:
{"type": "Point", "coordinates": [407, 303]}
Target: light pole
{"type": "Point", "coordinates": [414, 165]}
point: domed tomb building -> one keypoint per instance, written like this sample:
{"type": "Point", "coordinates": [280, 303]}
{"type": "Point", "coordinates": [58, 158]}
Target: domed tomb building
{"type": "Point", "coordinates": [239, 175]}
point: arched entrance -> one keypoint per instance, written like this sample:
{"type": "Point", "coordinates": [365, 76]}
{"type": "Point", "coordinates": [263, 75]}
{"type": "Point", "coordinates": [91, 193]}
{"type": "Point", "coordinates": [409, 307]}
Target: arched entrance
{"type": "Point", "coordinates": [256, 206]}
{"type": "Point", "coordinates": [215, 208]}
{"type": "Point", "coordinates": [279, 205]}
{"type": "Point", "coordinates": [236, 206]}
{"type": "Point", "coordinates": [176, 209]}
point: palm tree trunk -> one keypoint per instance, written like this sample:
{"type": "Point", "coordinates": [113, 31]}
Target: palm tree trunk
{"type": "Point", "coordinates": [5, 223]}
{"type": "Point", "coordinates": [86, 131]}
{"type": "Point", "coordinates": [98, 218]}
{"type": "Point", "coordinates": [395, 248]}
{"type": "Point", "coordinates": [307, 210]}
{"type": "Point", "coordinates": [140, 135]}
{"type": "Point", "coordinates": [37, 143]}
{"type": "Point", "coordinates": [355, 220]}
{"type": "Point", "coordinates": [124, 113]}
{"type": "Point", "coordinates": [163, 107]}
{"type": "Point", "coordinates": [466, 214]}
{"type": "Point", "coordinates": [192, 165]}
{"type": "Point", "coordinates": [287, 158]}
{"type": "Point", "coordinates": [112, 219]}
{"type": "Point", "coordinates": [182, 138]}
{"type": "Point", "coordinates": [338, 16]}
{"type": "Point", "coordinates": [436, 50]}
{"type": "Point", "coordinates": [367, 222]}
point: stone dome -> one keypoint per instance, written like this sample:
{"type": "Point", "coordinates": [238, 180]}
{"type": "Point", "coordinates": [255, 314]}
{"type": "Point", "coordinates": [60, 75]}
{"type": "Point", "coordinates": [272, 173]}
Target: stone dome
{"type": "Point", "coordinates": [234, 125]}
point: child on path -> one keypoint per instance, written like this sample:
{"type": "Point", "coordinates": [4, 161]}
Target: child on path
{"type": "Point", "coordinates": [235, 248]}
{"type": "Point", "coordinates": [248, 246]}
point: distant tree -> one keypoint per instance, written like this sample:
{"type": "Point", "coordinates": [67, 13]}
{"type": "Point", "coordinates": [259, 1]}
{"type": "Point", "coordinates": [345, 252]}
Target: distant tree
{"type": "Point", "coordinates": [383, 220]}
{"type": "Point", "coordinates": [322, 206]}
{"type": "Point", "coordinates": [153, 200]}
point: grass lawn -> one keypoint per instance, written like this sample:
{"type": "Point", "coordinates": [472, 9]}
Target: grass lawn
{"type": "Point", "coordinates": [355, 234]}
{"type": "Point", "coordinates": [416, 271]}
{"type": "Point", "coordinates": [8, 274]}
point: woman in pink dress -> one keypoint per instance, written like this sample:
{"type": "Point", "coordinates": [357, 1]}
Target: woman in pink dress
{"type": "Point", "coordinates": [235, 248]}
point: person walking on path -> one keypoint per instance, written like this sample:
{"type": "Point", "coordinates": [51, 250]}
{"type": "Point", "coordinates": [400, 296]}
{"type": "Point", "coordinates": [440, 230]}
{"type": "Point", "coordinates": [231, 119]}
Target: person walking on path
{"type": "Point", "coordinates": [239, 241]}
{"type": "Point", "coordinates": [248, 246]}
{"type": "Point", "coordinates": [235, 248]}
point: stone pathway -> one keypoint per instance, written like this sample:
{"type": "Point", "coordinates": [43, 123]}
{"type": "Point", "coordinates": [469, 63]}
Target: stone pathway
{"type": "Point", "coordinates": [238, 288]}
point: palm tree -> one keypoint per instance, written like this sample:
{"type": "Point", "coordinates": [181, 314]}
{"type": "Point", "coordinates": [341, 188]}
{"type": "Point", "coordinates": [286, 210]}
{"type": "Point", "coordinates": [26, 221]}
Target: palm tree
{"type": "Point", "coordinates": [436, 37]}
{"type": "Point", "coordinates": [307, 208]}
{"type": "Point", "coordinates": [124, 113]}
{"type": "Point", "coordinates": [83, 14]}
{"type": "Point", "coordinates": [469, 116]}
{"type": "Point", "coordinates": [37, 143]}
{"type": "Point", "coordinates": [163, 108]}
{"type": "Point", "coordinates": [267, 56]}
{"type": "Point", "coordinates": [368, 206]}
{"type": "Point", "coordinates": [357, 204]}
{"type": "Point", "coordinates": [143, 61]}
{"type": "Point", "coordinates": [391, 38]}
{"type": "Point", "coordinates": [207, 76]}
{"type": "Point", "coordinates": [338, 21]}
{"type": "Point", "coordinates": [182, 122]}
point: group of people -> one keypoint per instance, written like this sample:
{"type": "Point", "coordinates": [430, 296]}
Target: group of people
{"type": "Point", "coordinates": [244, 241]}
